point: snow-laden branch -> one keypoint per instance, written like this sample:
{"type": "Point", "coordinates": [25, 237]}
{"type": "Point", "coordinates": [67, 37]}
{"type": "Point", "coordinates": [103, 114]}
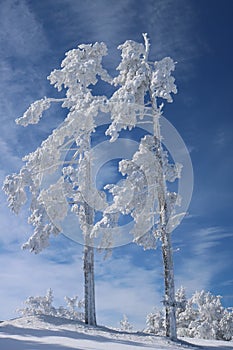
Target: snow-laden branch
{"type": "Point", "coordinates": [138, 194]}
{"type": "Point", "coordinates": [81, 68]}
{"type": "Point", "coordinates": [34, 113]}
{"type": "Point", "coordinates": [137, 78]}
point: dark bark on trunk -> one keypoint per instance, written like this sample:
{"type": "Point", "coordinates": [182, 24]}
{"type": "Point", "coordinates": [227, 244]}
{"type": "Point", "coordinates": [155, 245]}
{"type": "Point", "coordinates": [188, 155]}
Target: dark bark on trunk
{"type": "Point", "coordinates": [89, 286]}
{"type": "Point", "coordinates": [89, 277]}
{"type": "Point", "coordinates": [169, 285]}
{"type": "Point", "coordinates": [169, 298]}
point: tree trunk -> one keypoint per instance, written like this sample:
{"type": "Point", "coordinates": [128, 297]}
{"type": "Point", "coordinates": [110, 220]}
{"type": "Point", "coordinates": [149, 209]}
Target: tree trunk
{"type": "Point", "coordinates": [169, 298]}
{"type": "Point", "coordinates": [89, 277]}
{"type": "Point", "coordinates": [89, 286]}
{"type": "Point", "coordinates": [88, 267]}
{"type": "Point", "coordinates": [169, 285]}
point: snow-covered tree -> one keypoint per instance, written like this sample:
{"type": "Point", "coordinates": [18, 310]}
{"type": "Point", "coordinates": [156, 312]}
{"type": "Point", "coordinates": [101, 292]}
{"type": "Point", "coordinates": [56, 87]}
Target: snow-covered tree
{"type": "Point", "coordinates": [144, 193]}
{"type": "Point", "coordinates": [212, 320]}
{"type": "Point", "coordinates": [39, 305]}
{"type": "Point", "coordinates": [225, 331]}
{"type": "Point", "coordinates": [72, 188]}
{"type": "Point", "coordinates": [43, 305]}
{"type": "Point", "coordinates": [125, 325]}
{"type": "Point", "coordinates": [185, 313]}
{"type": "Point", "coordinates": [181, 303]}
{"type": "Point", "coordinates": [201, 316]}
{"type": "Point", "coordinates": [155, 323]}
{"type": "Point", "coordinates": [74, 308]}
{"type": "Point", "coordinates": [181, 299]}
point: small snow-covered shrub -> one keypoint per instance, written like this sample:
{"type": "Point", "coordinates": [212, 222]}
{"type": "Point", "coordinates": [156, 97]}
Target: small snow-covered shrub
{"type": "Point", "coordinates": [155, 322]}
{"type": "Point", "coordinates": [226, 325]}
{"type": "Point", "coordinates": [42, 305]}
{"type": "Point", "coordinates": [125, 325]}
{"type": "Point", "coordinates": [74, 308]}
{"type": "Point", "coordinates": [39, 305]}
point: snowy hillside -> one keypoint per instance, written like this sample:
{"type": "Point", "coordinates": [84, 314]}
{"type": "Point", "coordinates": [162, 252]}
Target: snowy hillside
{"type": "Point", "coordinates": [49, 333]}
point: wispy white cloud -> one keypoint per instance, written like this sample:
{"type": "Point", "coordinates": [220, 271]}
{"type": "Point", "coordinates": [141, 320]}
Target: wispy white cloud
{"type": "Point", "coordinates": [195, 274]}
{"type": "Point", "coordinates": [21, 34]}
{"type": "Point", "coordinates": [228, 282]}
{"type": "Point", "coordinates": [199, 263]}
{"type": "Point", "coordinates": [8, 159]}
{"type": "Point", "coordinates": [23, 44]}
{"type": "Point", "coordinates": [207, 238]}
{"type": "Point", "coordinates": [170, 26]}
{"type": "Point", "coordinates": [222, 138]}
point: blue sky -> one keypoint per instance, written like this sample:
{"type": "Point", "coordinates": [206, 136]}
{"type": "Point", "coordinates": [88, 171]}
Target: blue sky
{"type": "Point", "coordinates": [34, 35]}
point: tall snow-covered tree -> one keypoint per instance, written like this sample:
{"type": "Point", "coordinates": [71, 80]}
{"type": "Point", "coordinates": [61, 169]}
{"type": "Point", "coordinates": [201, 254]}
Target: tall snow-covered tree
{"type": "Point", "coordinates": [71, 188]}
{"type": "Point", "coordinates": [144, 194]}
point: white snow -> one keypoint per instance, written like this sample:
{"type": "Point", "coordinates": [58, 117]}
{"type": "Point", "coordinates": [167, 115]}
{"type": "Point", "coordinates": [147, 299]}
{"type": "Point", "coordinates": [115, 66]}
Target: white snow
{"type": "Point", "coordinates": [52, 333]}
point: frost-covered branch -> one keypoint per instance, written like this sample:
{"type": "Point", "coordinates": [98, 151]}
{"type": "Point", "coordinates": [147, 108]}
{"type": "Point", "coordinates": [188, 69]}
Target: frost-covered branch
{"type": "Point", "coordinates": [34, 113]}
{"type": "Point", "coordinates": [138, 193]}
{"type": "Point", "coordinates": [79, 70]}
{"type": "Point", "coordinates": [137, 77]}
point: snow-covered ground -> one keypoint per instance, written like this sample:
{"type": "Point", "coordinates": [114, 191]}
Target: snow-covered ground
{"type": "Point", "coordinates": [49, 333]}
